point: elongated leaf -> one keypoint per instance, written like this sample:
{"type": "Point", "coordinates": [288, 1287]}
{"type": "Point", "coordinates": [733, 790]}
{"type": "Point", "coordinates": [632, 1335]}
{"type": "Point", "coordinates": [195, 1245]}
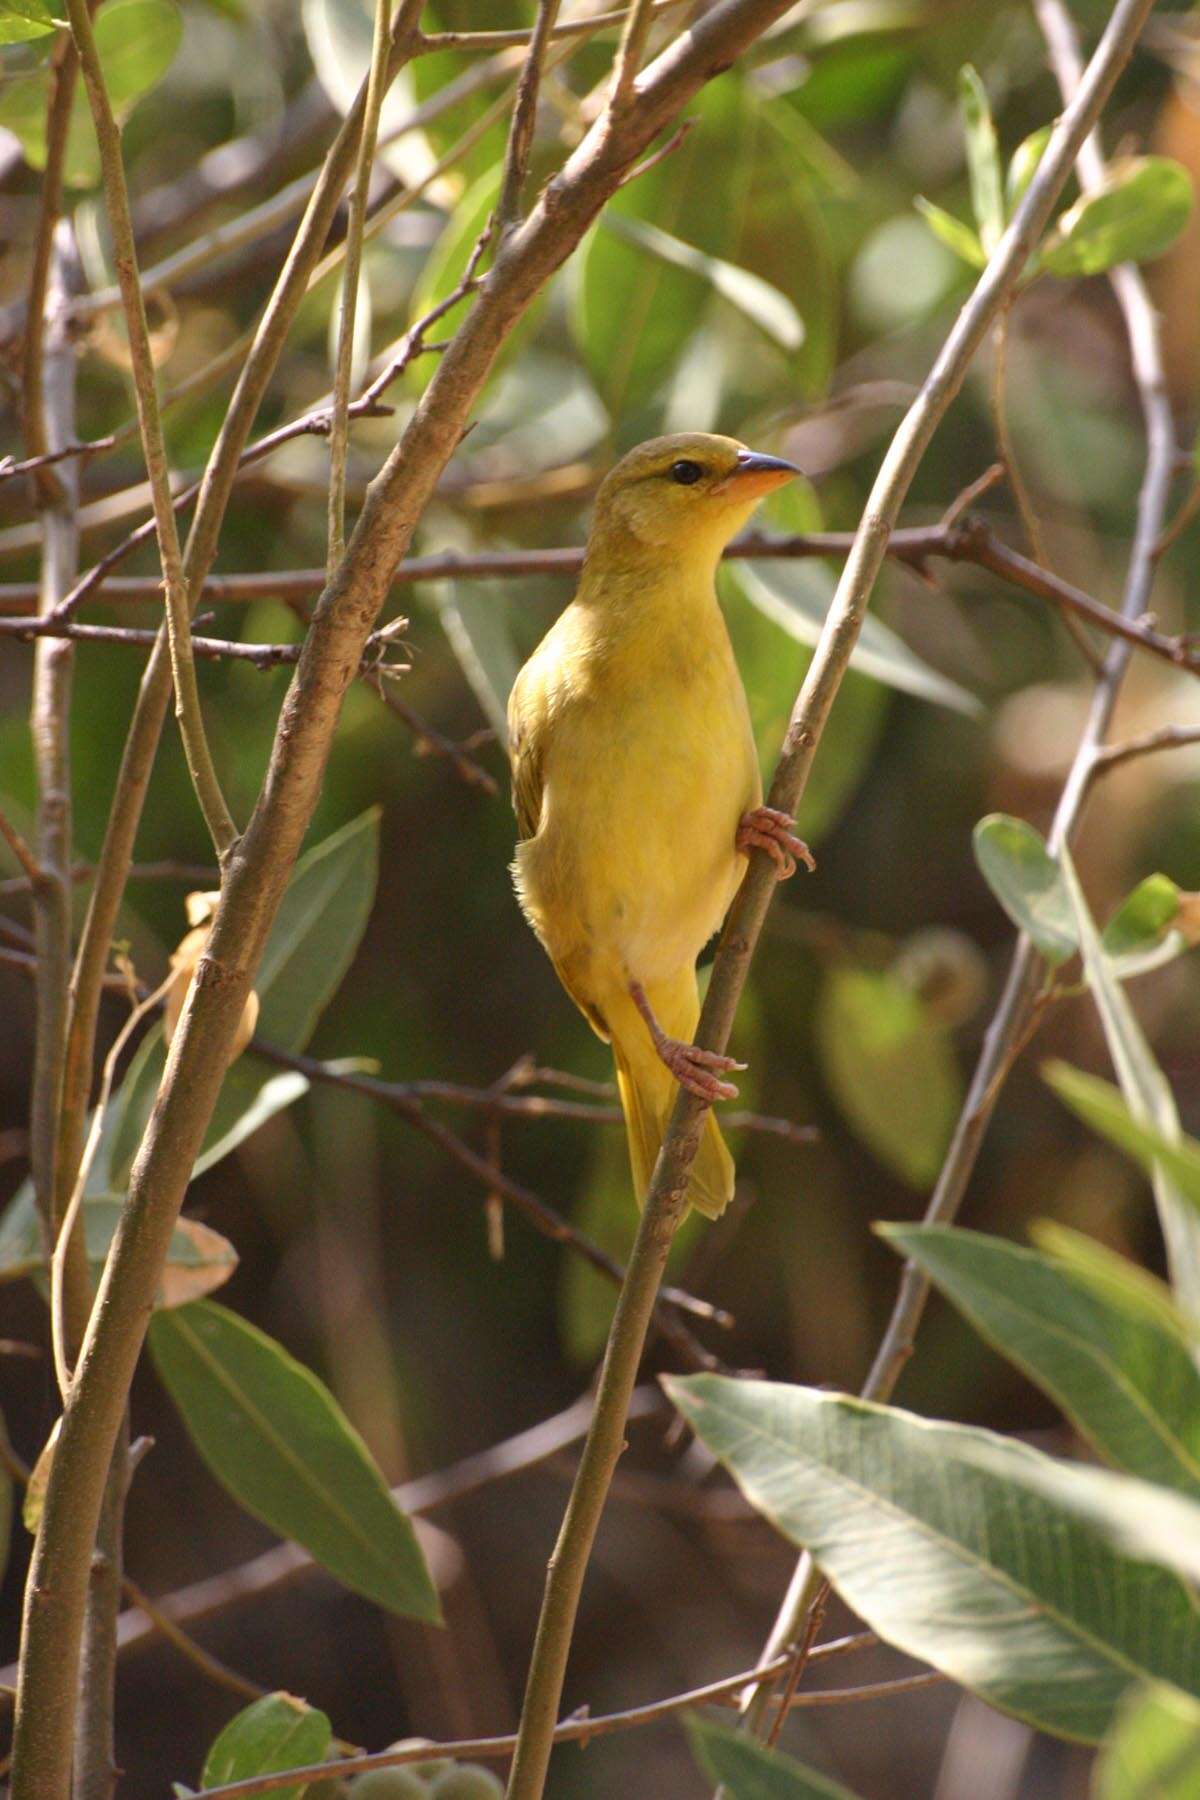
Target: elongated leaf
{"type": "Point", "coordinates": [952, 232]}
{"type": "Point", "coordinates": [476, 623]}
{"type": "Point", "coordinates": [277, 1439]}
{"type": "Point", "coordinates": [1024, 165]}
{"type": "Point", "coordinates": [891, 1067]}
{"type": "Point", "coordinates": [1028, 883]}
{"type": "Point", "coordinates": [938, 1538]}
{"type": "Point", "coordinates": [312, 943]}
{"type": "Point", "coordinates": [1118, 1370]}
{"type": "Point", "coordinates": [199, 1259]}
{"type": "Point", "coordinates": [1147, 1093]}
{"type": "Point", "coordinates": [749, 1771]}
{"type": "Point", "coordinates": [756, 299]}
{"type": "Point", "coordinates": [797, 597]}
{"type": "Point", "coordinates": [1103, 1107]}
{"type": "Point", "coordinates": [1153, 1750]}
{"type": "Point", "coordinates": [275, 1733]}
{"type": "Point", "coordinates": [983, 158]}
{"type": "Point", "coordinates": [1140, 210]}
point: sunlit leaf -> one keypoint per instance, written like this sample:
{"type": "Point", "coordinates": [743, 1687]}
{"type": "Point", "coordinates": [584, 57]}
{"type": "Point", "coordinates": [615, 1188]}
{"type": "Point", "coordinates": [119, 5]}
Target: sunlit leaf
{"type": "Point", "coordinates": [446, 263]}
{"type": "Point", "coordinates": [952, 232]}
{"type": "Point", "coordinates": [891, 1068]}
{"type": "Point", "coordinates": [983, 158]}
{"type": "Point", "coordinates": [1147, 1093]}
{"type": "Point", "coordinates": [1153, 1749]}
{"type": "Point", "coordinates": [1028, 883]}
{"type": "Point", "coordinates": [276, 1438]}
{"type": "Point", "coordinates": [1139, 937]}
{"type": "Point", "coordinates": [1103, 1106]}
{"type": "Point", "coordinates": [1024, 165]}
{"type": "Point", "coordinates": [21, 20]}
{"type": "Point", "coordinates": [339, 35]}
{"type": "Point", "coordinates": [939, 1539]}
{"type": "Point", "coordinates": [747, 1770]}
{"type": "Point", "coordinates": [271, 1735]}
{"type": "Point", "coordinates": [1138, 212]}
{"type": "Point", "coordinates": [1122, 1373]}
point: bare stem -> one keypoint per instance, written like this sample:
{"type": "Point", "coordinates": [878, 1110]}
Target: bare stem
{"type": "Point", "coordinates": [183, 669]}
{"type": "Point", "coordinates": [520, 136]}
{"type": "Point", "coordinates": [339, 430]}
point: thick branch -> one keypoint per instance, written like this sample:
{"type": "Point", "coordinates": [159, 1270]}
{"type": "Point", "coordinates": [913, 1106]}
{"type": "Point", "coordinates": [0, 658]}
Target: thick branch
{"type": "Point", "coordinates": [258, 870]}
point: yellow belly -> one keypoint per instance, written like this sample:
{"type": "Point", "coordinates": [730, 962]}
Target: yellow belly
{"type": "Point", "coordinates": [634, 865]}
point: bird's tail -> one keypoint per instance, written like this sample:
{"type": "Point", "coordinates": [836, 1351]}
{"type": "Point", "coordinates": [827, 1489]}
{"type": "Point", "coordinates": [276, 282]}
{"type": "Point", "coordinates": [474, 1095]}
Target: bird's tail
{"type": "Point", "coordinates": [648, 1091]}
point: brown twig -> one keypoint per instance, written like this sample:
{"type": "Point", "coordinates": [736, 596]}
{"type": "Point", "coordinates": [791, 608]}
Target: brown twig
{"type": "Point", "coordinates": [20, 850]}
{"type": "Point", "coordinates": [1148, 743]}
{"type": "Point", "coordinates": [498, 40]}
{"type": "Point", "coordinates": [520, 134]}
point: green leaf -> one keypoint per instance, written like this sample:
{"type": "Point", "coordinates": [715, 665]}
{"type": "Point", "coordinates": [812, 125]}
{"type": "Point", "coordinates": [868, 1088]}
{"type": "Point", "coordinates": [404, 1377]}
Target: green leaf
{"type": "Point", "coordinates": [275, 1733]}
{"type": "Point", "coordinates": [275, 1437]}
{"type": "Point", "coordinates": [1147, 1093]}
{"type": "Point", "coordinates": [1028, 883]}
{"type": "Point", "coordinates": [983, 158]}
{"type": "Point", "coordinates": [1153, 1750]}
{"type": "Point", "coordinates": [746, 1770]}
{"type": "Point", "coordinates": [796, 595]}
{"type": "Point", "coordinates": [765, 307]}
{"type": "Point", "coordinates": [1123, 1375]}
{"type": "Point", "coordinates": [1102, 1106]}
{"type": "Point", "coordinates": [137, 41]}
{"type": "Point", "coordinates": [952, 232]}
{"type": "Point", "coordinates": [1138, 937]}
{"type": "Point", "coordinates": [21, 20]}
{"type": "Point", "coordinates": [316, 932]}
{"type": "Point", "coordinates": [446, 263]}
{"type": "Point", "coordinates": [1140, 210]}
{"type": "Point", "coordinates": [938, 1538]}
{"type": "Point", "coordinates": [474, 617]}
{"type": "Point", "coordinates": [891, 1067]}
{"type": "Point", "coordinates": [1024, 165]}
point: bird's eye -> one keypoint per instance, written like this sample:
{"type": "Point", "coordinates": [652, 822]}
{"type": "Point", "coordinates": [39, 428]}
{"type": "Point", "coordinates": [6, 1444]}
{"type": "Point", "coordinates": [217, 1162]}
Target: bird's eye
{"type": "Point", "coordinates": [686, 473]}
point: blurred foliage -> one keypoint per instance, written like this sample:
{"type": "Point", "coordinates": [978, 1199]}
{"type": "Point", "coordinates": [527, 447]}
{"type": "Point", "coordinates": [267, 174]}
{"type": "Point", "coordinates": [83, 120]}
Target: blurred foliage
{"type": "Point", "coordinates": [771, 277]}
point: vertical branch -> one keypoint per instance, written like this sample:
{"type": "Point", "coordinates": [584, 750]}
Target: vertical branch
{"type": "Point", "coordinates": [183, 668]}
{"type": "Point", "coordinates": [64, 71]}
{"type": "Point", "coordinates": [54, 409]}
{"type": "Point", "coordinates": [629, 55]}
{"type": "Point", "coordinates": [96, 1762]}
{"type": "Point", "coordinates": [1006, 1032]}
{"type": "Point", "coordinates": [520, 136]}
{"type": "Point", "coordinates": [665, 1200]}
{"type": "Point", "coordinates": [339, 430]}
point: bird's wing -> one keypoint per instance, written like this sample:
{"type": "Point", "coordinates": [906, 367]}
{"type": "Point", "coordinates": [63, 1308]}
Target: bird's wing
{"type": "Point", "coordinates": [526, 714]}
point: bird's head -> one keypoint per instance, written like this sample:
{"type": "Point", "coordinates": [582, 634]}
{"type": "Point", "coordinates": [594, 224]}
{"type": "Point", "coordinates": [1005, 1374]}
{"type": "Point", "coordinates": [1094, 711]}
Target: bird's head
{"type": "Point", "coordinates": [685, 494]}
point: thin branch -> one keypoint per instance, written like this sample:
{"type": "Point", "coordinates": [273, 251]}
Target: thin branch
{"type": "Point", "coordinates": [1020, 995]}
{"type": "Point", "coordinates": [569, 28]}
{"type": "Point", "coordinates": [520, 135]}
{"type": "Point", "coordinates": [339, 426]}
{"type": "Point", "coordinates": [183, 671]}
{"type": "Point", "coordinates": [430, 741]}
{"type": "Point", "coordinates": [581, 1728]}
{"type": "Point", "coordinates": [20, 849]}
{"type": "Point", "coordinates": [1167, 737]}
{"type": "Point", "coordinates": [64, 71]}
{"type": "Point", "coordinates": [629, 56]}
{"type": "Point", "coordinates": [666, 1200]}
{"type": "Point", "coordinates": [160, 1621]}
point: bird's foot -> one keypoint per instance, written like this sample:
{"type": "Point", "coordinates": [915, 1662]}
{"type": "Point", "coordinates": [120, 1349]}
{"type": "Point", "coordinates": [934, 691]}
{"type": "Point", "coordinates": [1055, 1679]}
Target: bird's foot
{"type": "Point", "coordinates": [766, 828]}
{"type": "Point", "coordinates": [699, 1071]}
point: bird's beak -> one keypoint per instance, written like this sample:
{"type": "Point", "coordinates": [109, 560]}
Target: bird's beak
{"type": "Point", "coordinates": [754, 473]}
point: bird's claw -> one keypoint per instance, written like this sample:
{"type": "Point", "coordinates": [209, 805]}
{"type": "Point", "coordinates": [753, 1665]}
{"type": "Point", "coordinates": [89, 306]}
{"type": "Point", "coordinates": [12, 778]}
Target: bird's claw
{"type": "Point", "coordinates": [699, 1070]}
{"type": "Point", "coordinates": [766, 828]}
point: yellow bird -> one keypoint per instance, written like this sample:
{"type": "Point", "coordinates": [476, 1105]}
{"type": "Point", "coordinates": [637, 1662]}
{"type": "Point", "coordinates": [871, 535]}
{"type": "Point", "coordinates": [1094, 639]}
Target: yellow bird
{"type": "Point", "coordinates": [636, 782]}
